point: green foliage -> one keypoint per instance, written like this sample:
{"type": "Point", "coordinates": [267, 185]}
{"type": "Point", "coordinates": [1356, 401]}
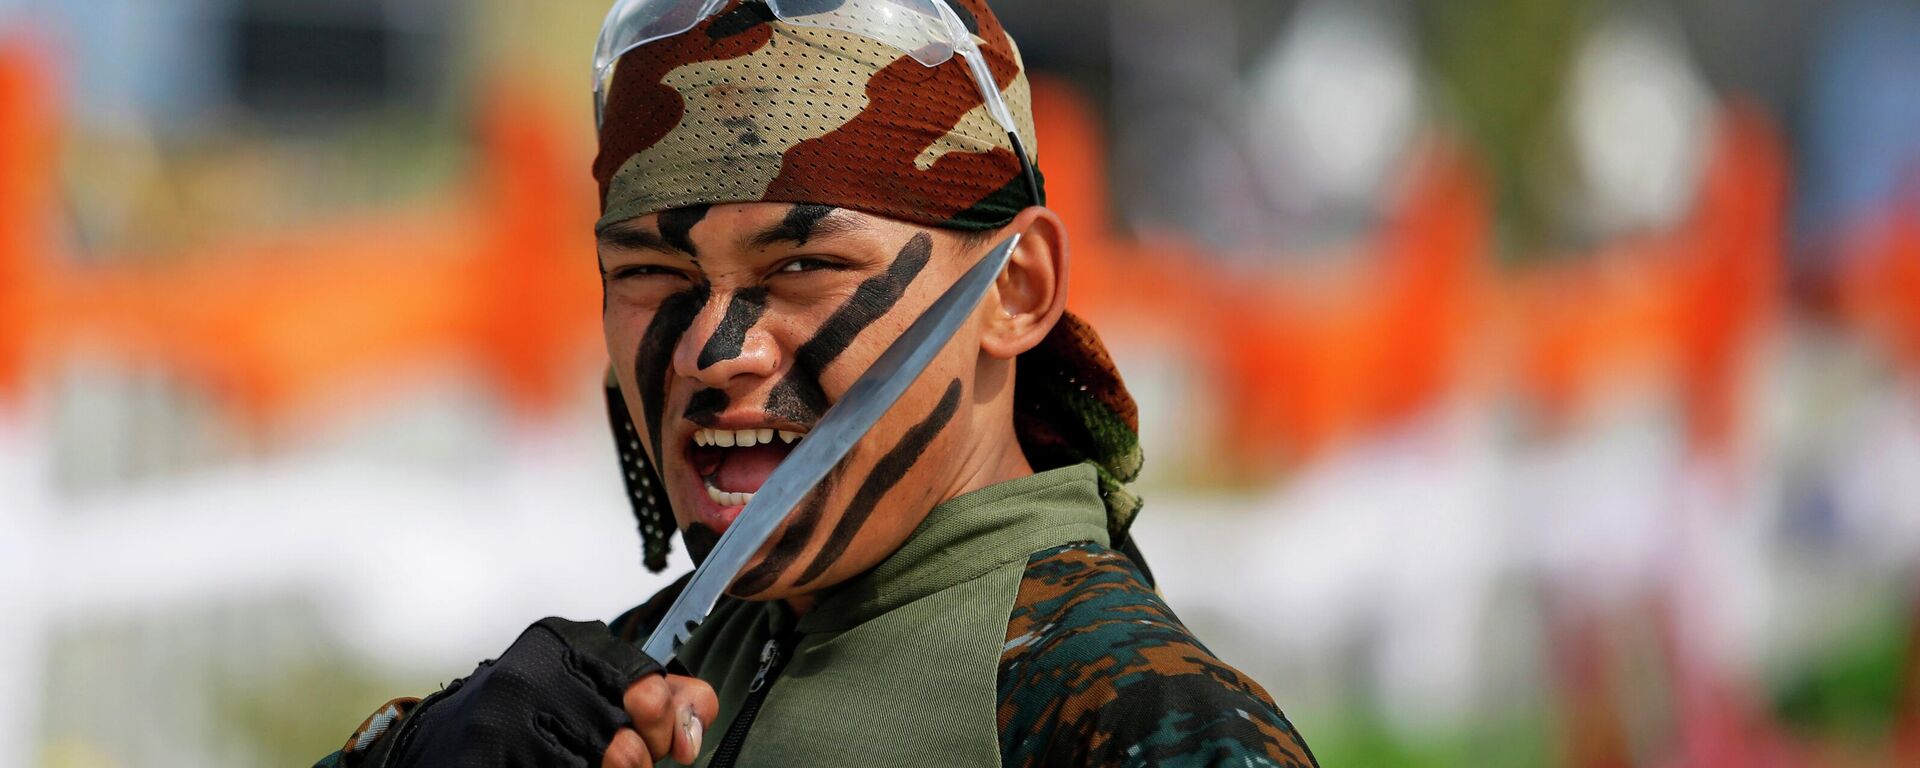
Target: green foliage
{"type": "Point", "coordinates": [1363, 738]}
{"type": "Point", "coordinates": [1851, 691]}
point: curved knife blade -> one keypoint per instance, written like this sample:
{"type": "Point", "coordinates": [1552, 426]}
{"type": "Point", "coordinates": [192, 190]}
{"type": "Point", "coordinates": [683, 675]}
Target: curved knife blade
{"type": "Point", "coordinates": [838, 431]}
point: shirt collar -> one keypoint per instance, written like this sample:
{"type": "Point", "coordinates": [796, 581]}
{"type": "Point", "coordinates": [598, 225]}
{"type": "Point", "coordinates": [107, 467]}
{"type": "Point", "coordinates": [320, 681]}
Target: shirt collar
{"type": "Point", "coordinates": [968, 536]}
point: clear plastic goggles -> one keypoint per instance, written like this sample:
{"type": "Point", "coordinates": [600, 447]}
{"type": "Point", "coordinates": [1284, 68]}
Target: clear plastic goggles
{"type": "Point", "coordinates": [927, 30]}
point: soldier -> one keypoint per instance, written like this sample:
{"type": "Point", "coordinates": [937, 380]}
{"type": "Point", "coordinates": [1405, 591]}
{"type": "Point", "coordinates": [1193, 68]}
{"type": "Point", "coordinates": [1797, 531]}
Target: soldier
{"type": "Point", "coordinates": [785, 185]}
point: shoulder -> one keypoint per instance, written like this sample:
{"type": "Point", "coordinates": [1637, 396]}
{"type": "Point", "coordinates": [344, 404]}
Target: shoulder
{"type": "Point", "coordinates": [1097, 669]}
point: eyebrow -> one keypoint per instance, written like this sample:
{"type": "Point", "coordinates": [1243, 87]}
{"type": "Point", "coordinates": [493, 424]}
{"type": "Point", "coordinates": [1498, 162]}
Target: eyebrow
{"type": "Point", "coordinates": [801, 225]}
{"type": "Point", "coordinates": [806, 222]}
{"type": "Point", "coordinates": [631, 238]}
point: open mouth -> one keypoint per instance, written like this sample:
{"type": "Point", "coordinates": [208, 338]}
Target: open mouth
{"type": "Point", "coordinates": [734, 463]}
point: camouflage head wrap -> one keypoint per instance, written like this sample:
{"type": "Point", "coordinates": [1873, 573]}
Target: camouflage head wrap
{"type": "Point", "coordinates": [744, 107]}
{"type": "Point", "coordinates": [747, 108]}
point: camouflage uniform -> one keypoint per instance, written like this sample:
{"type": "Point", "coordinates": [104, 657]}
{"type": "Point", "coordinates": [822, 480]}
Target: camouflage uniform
{"type": "Point", "coordinates": [1098, 671]}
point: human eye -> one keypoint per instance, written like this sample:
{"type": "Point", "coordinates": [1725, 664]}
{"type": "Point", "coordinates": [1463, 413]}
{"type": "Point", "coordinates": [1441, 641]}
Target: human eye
{"type": "Point", "coordinates": [805, 264]}
{"type": "Point", "coordinates": [636, 271]}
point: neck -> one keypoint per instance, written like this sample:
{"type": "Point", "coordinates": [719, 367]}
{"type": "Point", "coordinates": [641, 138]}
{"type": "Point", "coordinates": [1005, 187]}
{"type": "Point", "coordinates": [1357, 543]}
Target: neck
{"type": "Point", "coordinates": [1007, 462]}
{"type": "Point", "coordinates": [995, 456]}
{"type": "Point", "coordinates": [1000, 460]}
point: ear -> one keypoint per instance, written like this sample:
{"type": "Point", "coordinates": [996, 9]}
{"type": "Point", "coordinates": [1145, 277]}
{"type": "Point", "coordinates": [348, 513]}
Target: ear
{"type": "Point", "coordinates": [1031, 294]}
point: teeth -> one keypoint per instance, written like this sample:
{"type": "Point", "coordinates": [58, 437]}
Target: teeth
{"type": "Point", "coordinates": [742, 438]}
{"type": "Point", "coordinates": [726, 498]}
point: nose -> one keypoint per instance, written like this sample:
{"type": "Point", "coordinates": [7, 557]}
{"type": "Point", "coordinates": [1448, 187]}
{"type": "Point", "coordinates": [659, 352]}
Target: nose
{"type": "Point", "coordinates": [723, 343]}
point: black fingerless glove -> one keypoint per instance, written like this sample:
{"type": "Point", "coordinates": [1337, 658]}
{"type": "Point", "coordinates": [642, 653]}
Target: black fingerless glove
{"type": "Point", "coordinates": [553, 699]}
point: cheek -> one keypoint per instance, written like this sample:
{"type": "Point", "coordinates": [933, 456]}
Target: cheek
{"type": "Point", "coordinates": [642, 347]}
{"type": "Point", "coordinates": [828, 359]}
{"type": "Point", "coordinates": [623, 340]}
{"type": "Point", "coordinates": [882, 487]}
{"type": "Point", "coordinates": [869, 503]}
{"type": "Point", "coordinates": [622, 328]}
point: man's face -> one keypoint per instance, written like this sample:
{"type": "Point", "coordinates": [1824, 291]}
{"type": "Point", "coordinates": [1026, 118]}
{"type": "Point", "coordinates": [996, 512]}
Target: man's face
{"type": "Point", "coordinates": [733, 329]}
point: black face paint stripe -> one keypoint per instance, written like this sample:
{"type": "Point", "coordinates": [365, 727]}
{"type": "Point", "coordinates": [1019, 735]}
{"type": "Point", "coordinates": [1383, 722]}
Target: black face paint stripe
{"type": "Point", "coordinates": [700, 541]}
{"type": "Point", "coordinates": [655, 356]}
{"type": "Point", "coordinates": [886, 474]}
{"type": "Point", "coordinates": [792, 542]}
{"type": "Point", "coordinates": [800, 221]}
{"type": "Point", "coordinates": [798, 397]}
{"type": "Point", "coordinates": [676, 224]}
{"type": "Point", "coordinates": [731, 334]}
{"type": "Point", "coordinates": [873, 299]}
{"type": "Point", "coordinates": [707, 404]}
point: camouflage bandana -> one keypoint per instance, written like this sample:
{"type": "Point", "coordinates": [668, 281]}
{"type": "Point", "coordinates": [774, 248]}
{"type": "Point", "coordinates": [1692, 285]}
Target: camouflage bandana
{"type": "Point", "coordinates": [746, 108]}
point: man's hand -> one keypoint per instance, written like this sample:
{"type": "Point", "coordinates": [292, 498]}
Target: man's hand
{"type": "Point", "coordinates": [566, 693]}
{"type": "Point", "coordinates": [670, 714]}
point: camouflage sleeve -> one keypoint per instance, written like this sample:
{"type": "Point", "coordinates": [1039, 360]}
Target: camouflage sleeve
{"type": "Point", "coordinates": [1098, 671]}
{"type": "Point", "coordinates": [368, 734]}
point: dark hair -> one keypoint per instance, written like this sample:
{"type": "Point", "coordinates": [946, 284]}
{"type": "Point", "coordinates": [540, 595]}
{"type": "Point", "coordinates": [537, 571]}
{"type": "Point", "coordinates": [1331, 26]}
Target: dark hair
{"type": "Point", "coordinates": [974, 238]}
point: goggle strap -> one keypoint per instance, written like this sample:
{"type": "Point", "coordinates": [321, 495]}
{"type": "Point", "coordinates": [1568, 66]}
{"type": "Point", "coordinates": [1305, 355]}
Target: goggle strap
{"type": "Point", "coordinates": [1026, 167]}
{"type": "Point", "coordinates": [989, 90]}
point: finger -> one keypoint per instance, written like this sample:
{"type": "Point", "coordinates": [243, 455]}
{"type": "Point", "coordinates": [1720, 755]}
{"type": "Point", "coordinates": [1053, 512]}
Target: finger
{"type": "Point", "coordinates": [627, 750]}
{"type": "Point", "coordinates": [697, 705]}
{"type": "Point", "coordinates": [649, 703]}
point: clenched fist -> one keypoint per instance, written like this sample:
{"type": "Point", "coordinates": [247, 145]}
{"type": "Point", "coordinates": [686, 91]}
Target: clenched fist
{"type": "Point", "coordinates": [566, 693]}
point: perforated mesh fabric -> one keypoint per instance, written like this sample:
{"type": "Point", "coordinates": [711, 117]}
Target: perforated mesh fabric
{"type": "Point", "coordinates": [645, 492]}
{"type": "Point", "coordinates": [1070, 406]}
{"type": "Point", "coordinates": [746, 108]}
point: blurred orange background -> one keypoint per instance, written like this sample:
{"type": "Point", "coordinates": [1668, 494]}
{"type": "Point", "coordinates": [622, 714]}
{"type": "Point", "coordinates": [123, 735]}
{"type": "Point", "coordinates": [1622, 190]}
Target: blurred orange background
{"type": "Point", "coordinates": [1522, 383]}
